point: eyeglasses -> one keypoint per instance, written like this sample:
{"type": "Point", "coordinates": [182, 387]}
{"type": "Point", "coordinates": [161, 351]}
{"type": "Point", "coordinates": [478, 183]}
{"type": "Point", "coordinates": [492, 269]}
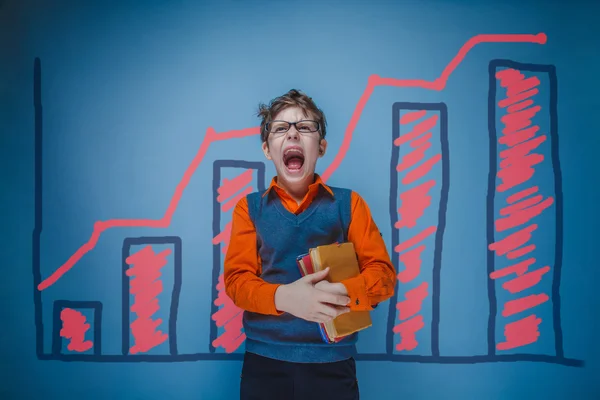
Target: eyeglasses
{"type": "Point", "coordinates": [279, 128]}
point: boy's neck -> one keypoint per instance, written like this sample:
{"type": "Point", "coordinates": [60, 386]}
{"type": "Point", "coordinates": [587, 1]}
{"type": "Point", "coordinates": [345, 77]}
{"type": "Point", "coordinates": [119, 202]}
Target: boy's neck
{"type": "Point", "coordinates": [298, 190]}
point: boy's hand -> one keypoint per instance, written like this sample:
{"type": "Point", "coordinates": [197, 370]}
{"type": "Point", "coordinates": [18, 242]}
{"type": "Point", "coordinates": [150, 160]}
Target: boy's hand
{"type": "Point", "coordinates": [303, 300]}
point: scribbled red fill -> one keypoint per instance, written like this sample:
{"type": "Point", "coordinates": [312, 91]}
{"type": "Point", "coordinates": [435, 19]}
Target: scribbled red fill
{"type": "Point", "coordinates": [413, 203]}
{"type": "Point", "coordinates": [407, 331]}
{"type": "Point", "coordinates": [520, 333]}
{"type": "Point", "coordinates": [145, 288]}
{"type": "Point", "coordinates": [229, 316]}
{"type": "Point", "coordinates": [74, 327]}
{"type": "Point", "coordinates": [517, 164]}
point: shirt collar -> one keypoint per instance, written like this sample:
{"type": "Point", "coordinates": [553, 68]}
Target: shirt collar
{"type": "Point", "coordinates": [318, 182]}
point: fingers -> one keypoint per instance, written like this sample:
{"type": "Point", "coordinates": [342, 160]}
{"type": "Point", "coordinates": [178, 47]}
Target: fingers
{"type": "Point", "coordinates": [332, 312]}
{"type": "Point", "coordinates": [332, 298]}
{"type": "Point", "coordinates": [317, 276]}
{"type": "Point", "coordinates": [328, 310]}
{"type": "Point", "coordinates": [335, 288]}
{"type": "Point", "coordinates": [343, 310]}
{"type": "Point", "coordinates": [321, 318]}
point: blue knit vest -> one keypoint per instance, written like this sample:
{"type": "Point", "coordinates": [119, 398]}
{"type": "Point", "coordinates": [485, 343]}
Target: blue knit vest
{"type": "Point", "coordinates": [281, 238]}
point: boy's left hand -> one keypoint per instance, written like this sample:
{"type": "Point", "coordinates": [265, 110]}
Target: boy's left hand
{"type": "Point", "coordinates": [335, 288]}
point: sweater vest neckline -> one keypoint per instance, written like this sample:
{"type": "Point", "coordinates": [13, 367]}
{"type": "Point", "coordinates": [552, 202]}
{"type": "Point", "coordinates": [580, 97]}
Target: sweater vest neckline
{"type": "Point", "coordinates": [305, 214]}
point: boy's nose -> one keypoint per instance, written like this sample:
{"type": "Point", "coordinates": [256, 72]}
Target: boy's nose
{"type": "Point", "coordinates": [292, 133]}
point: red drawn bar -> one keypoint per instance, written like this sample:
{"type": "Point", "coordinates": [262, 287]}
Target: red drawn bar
{"type": "Point", "coordinates": [74, 327]}
{"type": "Point", "coordinates": [517, 165]}
{"type": "Point", "coordinates": [145, 288]}
{"type": "Point", "coordinates": [414, 202]}
{"type": "Point", "coordinates": [229, 316]}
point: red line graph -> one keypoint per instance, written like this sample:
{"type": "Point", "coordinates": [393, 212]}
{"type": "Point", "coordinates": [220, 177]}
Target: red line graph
{"type": "Point", "coordinates": [212, 136]}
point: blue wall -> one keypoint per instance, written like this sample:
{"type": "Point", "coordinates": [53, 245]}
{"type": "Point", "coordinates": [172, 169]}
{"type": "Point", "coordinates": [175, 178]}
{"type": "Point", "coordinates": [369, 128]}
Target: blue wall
{"type": "Point", "coordinates": [119, 98]}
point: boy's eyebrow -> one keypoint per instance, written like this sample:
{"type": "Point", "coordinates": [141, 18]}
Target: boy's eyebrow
{"type": "Point", "coordinates": [282, 120]}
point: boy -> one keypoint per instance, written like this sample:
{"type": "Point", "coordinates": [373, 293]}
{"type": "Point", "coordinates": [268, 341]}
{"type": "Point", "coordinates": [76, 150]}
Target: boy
{"type": "Point", "coordinates": [285, 356]}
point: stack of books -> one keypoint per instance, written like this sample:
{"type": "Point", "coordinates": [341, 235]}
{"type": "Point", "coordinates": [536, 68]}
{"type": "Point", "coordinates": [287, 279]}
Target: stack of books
{"type": "Point", "coordinates": [343, 264]}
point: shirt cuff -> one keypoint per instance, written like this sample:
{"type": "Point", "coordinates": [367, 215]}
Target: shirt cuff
{"type": "Point", "coordinates": [359, 301]}
{"type": "Point", "coordinates": [269, 299]}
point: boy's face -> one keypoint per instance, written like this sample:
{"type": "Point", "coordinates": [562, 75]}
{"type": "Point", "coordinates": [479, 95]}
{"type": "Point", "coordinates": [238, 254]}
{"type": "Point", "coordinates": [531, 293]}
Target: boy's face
{"type": "Point", "coordinates": [294, 153]}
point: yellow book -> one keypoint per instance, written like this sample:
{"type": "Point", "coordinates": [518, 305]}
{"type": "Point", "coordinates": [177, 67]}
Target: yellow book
{"type": "Point", "coordinates": [343, 264]}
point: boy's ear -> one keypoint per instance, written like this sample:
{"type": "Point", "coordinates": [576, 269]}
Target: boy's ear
{"type": "Point", "coordinates": [322, 147]}
{"type": "Point", "coordinates": [265, 147]}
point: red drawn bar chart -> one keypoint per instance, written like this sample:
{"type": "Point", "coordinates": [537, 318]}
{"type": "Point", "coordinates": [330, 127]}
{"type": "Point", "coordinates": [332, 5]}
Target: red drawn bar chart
{"type": "Point", "coordinates": [523, 268]}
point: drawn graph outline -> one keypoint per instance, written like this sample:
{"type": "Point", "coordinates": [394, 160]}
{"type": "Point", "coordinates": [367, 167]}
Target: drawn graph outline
{"type": "Point", "coordinates": [212, 136]}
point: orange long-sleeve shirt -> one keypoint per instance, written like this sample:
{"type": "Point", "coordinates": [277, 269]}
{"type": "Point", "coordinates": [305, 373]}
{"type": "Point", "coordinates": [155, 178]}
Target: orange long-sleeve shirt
{"type": "Point", "coordinates": [242, 269]}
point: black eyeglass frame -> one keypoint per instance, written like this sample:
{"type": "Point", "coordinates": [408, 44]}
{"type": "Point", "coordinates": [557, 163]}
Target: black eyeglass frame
{"type": "Point", "coordinates": [290, 124]}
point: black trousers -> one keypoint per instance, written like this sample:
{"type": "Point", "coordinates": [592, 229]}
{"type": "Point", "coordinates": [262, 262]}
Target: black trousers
{"type": "Point", "coordinates": [265, 379]}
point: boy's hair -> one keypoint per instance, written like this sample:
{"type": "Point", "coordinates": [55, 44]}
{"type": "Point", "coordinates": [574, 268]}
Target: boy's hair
{"type": "Point", "coordinates": [291, 98]}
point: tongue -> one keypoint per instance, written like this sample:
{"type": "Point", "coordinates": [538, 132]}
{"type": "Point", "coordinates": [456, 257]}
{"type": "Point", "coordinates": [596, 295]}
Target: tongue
{"type": "Point", "coordinates": [294, 163]}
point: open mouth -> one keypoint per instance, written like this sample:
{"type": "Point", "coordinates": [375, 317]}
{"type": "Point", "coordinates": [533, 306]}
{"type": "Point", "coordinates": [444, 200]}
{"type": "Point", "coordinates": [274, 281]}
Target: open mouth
{"type": "Point", "coordinates": [293, 158]}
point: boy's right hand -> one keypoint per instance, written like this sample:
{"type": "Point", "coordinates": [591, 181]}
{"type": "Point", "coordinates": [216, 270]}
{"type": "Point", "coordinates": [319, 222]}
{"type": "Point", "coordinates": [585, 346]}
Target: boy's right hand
{"type": "Point", "coordinates": [303, 300]}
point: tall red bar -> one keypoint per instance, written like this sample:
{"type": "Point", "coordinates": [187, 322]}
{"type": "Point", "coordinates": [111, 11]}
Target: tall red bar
{"type": "Point", "coordinates": [232, 180]}
{"type": "Point", "coordinates": [524, 211]}
{"type": "Point", "coordinates": [418, 198]}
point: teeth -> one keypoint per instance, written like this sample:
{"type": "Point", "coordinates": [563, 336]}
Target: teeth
{"type": "Point", "coordinates": [293, 151]}
{"type": "Point", "coordinates": [287, 154]}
